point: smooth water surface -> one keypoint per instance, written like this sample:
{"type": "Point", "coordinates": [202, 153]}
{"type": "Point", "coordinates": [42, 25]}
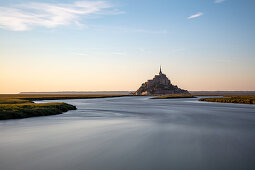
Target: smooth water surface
{"type": "Point", "coordinates": [133, 133]}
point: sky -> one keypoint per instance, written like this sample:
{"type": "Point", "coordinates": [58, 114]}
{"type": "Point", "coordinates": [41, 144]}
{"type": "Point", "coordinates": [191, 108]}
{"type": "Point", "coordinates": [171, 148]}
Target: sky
{"type": "Point", "coordinates": [66, 45]}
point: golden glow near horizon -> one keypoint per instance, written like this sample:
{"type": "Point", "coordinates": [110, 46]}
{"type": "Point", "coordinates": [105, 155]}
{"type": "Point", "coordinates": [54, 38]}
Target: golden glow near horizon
{"type": "Point", "coordinates": [21, 72]}
{"type": "Point", "coordinates": [45, 76]}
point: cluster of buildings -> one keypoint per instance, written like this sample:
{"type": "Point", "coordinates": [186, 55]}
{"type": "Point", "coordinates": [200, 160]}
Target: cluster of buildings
{"type": "Point", "coordinates": [159, 85]}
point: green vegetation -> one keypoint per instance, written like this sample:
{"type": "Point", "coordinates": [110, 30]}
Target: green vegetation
{"type": "Point", "coordinates": [173, 97]}
{"type": "Point", "coordinates": [12, 101]}
{"type": "Point", "coordinates": [24, 110]}
{"type": "Point", "coordinates": [21, 98]}
{"type": "Point", "coordinates": [15, 106]}
{"type": "Point", "coordinates": [231, 99]}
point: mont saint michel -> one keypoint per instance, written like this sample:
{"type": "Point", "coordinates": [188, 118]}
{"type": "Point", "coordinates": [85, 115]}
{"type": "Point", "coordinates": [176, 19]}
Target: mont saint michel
{"type": "Point", "coordinates": [159, 85]}
{"type": "Point", "coordinates": [127, 85]}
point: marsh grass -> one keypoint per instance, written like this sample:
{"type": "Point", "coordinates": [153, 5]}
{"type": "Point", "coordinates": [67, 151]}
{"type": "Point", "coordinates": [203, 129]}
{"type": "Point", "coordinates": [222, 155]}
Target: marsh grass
{"type": "Point", "coordinates": [231, 99]}
{"type": "Point", "coordinates": [15, 106]}
{"type": "Point", "coordinates": [24, 110]}
{"type": "Point", "coordinates": [23, 98]}
{"type": "Point", "coordinates": [13, 101]}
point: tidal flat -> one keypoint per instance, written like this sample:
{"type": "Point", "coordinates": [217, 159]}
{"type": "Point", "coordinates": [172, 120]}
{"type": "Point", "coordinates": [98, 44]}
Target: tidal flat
{"type": "Point", "coordinates": [133, 132]}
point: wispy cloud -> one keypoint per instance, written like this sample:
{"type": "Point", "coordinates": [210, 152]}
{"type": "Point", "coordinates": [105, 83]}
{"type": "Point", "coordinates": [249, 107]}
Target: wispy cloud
{"type": "Point", "coordinates": [218, 1]}
{"type": "Point", "coordinates": [23, 17]}
{"type": "Point", "coordinates": [195, 15]}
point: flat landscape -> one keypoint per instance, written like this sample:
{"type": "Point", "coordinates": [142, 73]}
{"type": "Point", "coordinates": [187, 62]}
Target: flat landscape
{"type": "Point", "coordinates": [16, 106]}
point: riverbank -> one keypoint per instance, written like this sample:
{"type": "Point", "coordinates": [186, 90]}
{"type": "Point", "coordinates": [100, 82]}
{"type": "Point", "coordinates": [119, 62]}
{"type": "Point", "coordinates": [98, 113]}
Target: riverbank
{"type": "Point", "coordinates": [25, 110]}
{"type": "Point", "coordinates": [23, 98]}
{"type": "Point", "coordinates": [17, 106]}
{"type": "Point", "coordinates": [231, 99]}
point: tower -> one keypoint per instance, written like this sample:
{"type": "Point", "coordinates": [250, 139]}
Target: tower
{"type": "Point", "coordinates": [160, 70]}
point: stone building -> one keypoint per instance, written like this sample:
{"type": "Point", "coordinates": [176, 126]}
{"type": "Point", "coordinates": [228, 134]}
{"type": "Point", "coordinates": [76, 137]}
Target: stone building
{"type": "Point", "coordinates": [159, 85]}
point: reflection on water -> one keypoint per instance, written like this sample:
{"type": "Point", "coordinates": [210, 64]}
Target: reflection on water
{"type": "Point", "coordinates": [133, 133]}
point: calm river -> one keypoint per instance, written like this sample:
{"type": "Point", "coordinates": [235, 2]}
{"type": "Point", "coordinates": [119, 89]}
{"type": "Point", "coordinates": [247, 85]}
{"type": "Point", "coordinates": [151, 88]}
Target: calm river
{"type": "Point", "coordinates": [133, 133]}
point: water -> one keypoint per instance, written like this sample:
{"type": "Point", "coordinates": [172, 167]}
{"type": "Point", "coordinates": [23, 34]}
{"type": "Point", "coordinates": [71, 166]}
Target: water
{"type": "Point", "coordinates": [133, 133]}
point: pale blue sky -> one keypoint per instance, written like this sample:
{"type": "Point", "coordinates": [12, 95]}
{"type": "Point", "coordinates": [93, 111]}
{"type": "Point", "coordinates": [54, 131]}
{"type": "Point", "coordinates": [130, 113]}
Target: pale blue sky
{"type": "Point", "coordinates": [116, 45]}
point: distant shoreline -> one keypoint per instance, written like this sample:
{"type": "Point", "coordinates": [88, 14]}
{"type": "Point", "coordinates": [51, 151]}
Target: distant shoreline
{"type": "Point", "coordinates": [195, 93]}
{"type": "Point", "coordinates": [83, 92]}
{"type": "Point", "coordinates": [221, 93]}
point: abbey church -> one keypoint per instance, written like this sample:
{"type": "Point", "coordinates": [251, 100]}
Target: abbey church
{"type": "Point", "coordinates": [159, 85]}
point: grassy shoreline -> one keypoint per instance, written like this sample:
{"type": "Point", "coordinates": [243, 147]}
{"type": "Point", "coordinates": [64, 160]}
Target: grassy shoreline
{"type": "Point", "coordinates": [21, 98]}
{"type": "Point", "coordinates": [17, 106]}
{"type": "Point", "coordinates": [231, 99]}
{"type": "Point", "coordinates": [25, 110]}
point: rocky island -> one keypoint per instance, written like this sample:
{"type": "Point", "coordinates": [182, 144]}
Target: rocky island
{"type": "Point", "coordinates": [159, 85]}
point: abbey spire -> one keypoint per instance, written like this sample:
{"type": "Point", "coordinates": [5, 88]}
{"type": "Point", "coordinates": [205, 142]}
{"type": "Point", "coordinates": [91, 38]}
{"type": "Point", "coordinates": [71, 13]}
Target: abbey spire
{"type": "Point", "coordinates": [160, 72]}
{"type": "Point", "coordinates": [159, 85]}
